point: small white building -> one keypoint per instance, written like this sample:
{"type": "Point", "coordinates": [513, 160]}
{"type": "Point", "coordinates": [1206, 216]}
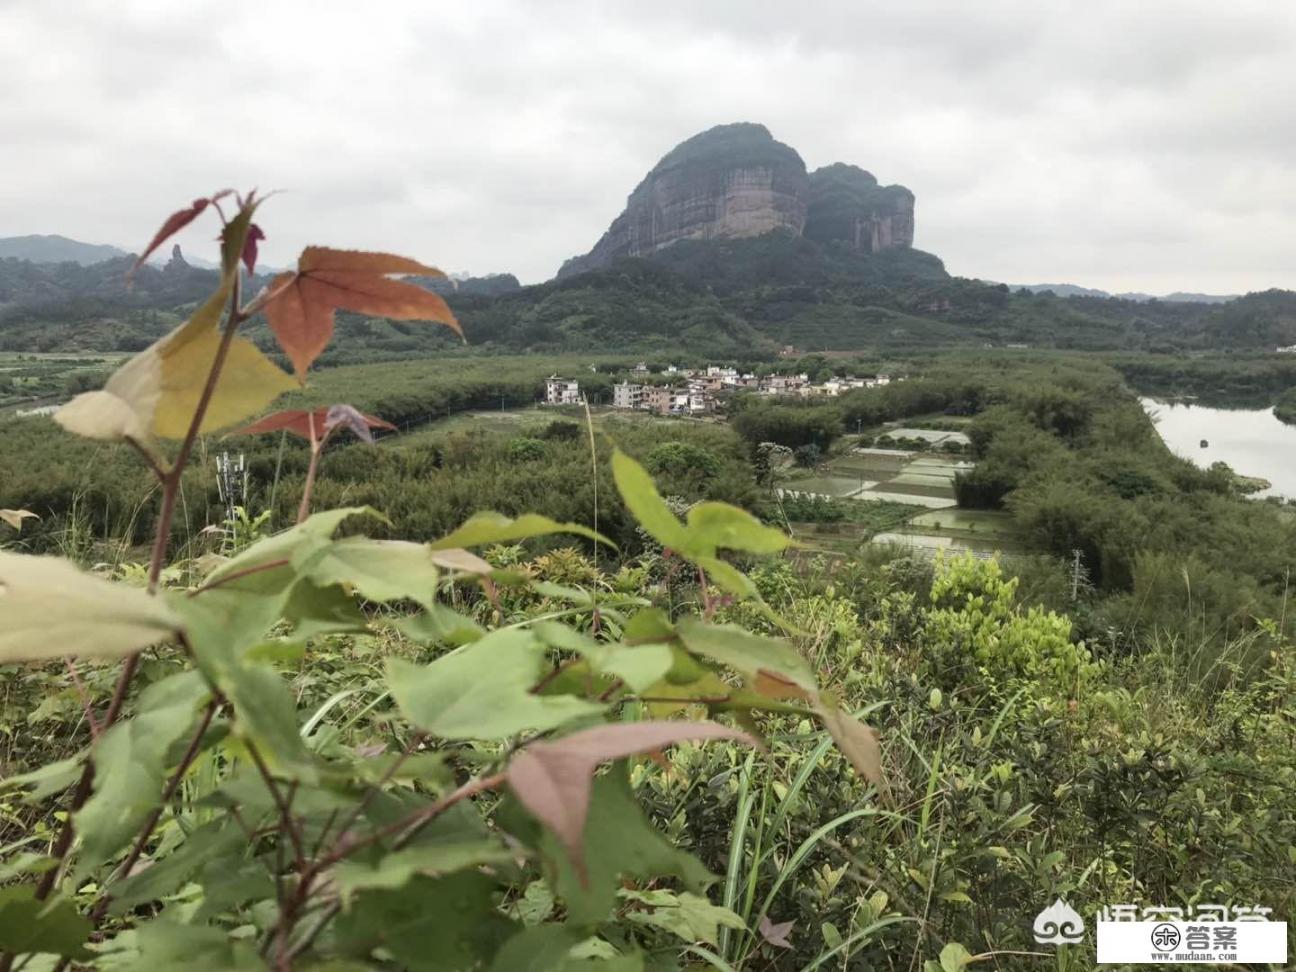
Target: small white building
{"type": "Point", "coordinates": [562, 391]}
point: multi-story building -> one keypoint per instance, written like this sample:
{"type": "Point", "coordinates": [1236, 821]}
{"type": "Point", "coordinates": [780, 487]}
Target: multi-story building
{"type": "Point", "coordinates": [562, 391]}
{"type": "Point", "coordinates": [627, 394]}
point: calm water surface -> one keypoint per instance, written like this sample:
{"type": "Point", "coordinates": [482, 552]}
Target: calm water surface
{"type": "Point", "coordinates": [1252, 441]}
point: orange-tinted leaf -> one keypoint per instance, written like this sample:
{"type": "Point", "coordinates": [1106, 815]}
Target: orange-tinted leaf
{"type": "Point", "coordinates": [857, 741]}
{"type": "Point", "coordinates": [553, 779]}
{"type": "Point", "coordinates": [298, 421]}
{"type": "Point", "coordinates": [316, 258]}
{"type": "Point", "coordinates": [302, 308]}
{"type": "Point", "coordinates": [775, 686]}
{"type": "Point", "coordinates": [175, 223]}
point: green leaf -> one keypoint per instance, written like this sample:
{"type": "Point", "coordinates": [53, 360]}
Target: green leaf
{"type": "Point", "coordinates": [225, 886]}
{"type": "Point", "coordinates": [459, 559]}
{"type": "Point", "coordinates": [483, 691]}
{"type": "Point", "coordinates": [690, 917]}
{"type": "Point", "coordinates": [26, 864]}
{"type": "Point", "coordinates": [28, 925]}
{"type": "Point", "coordinates": [52, 609]}
{"type": "Point", "coordinates": [488, 527]}
{"type": "Point", "coordinates": [650, 624]}
{"type": "Point", "coordinates": [646, 505]}
{"type": "Point", "coordinates": [439, 625]}
{"type": "Point", "coordinates": [222, 624]}
{"type": "Point", "coordinates": [379, 570]}
{"type": "Point", "coordinates": [215, 841]}
{"type": "Point", "coordinates": [746, 653]}
{"type": "Point", "coordinates": [637, 666]}
{"type": "Point", "coordinates": [539, 949]}
{"type": "Point", "coordinates": [294, 543]}
{"type": "Point", "coordinates": [267, 718]}
{"type": "Point", "coordinates": [47, 780]}
{"type": "Point", "coordinates": [445, 924]}
{"type": "Point", "coordinates": [315, 610]}
{"type": "Point", "coordinates": [535, 905]}
{"type": "Point", "coordinates": [553, 778]}
{"type": "Point", "coordinates": [398, 868]}
{"type": "Point", "coordinates": [168, 946]}
{"type": "Point", "coordinates": [718, 525]}
{"type": "Point", "coordinates": [131, 763]}
{"type": "Point", "coordinates": [727, 577]}
{"type": "Point", "coordinates": [954, 957]}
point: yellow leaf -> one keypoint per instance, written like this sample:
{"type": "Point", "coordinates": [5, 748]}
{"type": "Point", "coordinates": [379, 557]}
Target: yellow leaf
{"type": "Point", "coordinates": [15, 517]}
{"type": "Point", "coordinates": [51, 609]}
{"type": "Point", "coordinates": [156, 392]}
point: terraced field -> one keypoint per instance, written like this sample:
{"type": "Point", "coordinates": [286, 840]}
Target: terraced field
{"type": "Point", "coordinates": [917, 480]}
{"type": "Point", "coordinates": [884, 474]}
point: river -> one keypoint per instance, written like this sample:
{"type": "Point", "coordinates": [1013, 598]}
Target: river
{"type": "Point", "coordinates": [1251, 441]}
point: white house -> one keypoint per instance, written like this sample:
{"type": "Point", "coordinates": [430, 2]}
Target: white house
{"type": "Point", "coordinates": [562, 391]}
{"type": "Point", "coordinates": [627, 394]}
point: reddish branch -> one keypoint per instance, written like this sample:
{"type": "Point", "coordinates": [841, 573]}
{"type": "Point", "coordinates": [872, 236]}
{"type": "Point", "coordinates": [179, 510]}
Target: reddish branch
{"type": "Point", "coordinates": [403, 831]}
{"type": "Point", "coordinates": [124, 869]}
{"type": "Point", "coordinates": [170, 481]}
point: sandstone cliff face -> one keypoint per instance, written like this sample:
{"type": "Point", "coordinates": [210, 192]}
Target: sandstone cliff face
{"type": "Point", "coordinates": [737, 181]}
{"type": "Point", "coordinates": [728, 182]}
{"type": "Point", "coordinates": [846, 204]}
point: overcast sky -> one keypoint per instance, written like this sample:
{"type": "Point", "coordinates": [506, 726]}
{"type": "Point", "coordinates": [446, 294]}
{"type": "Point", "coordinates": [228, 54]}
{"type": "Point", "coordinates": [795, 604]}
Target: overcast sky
{"type": "Point", "coordinates": [1122, 144]}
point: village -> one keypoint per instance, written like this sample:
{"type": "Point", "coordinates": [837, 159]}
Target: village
{"type": "Point", "coordinates": [697, 391]}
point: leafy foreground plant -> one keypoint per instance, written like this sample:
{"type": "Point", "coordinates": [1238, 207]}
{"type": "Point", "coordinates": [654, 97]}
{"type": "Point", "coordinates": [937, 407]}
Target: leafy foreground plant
{"type": "Point", "coordinates": [206, 827]}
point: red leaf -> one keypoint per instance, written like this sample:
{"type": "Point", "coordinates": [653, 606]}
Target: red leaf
{"type": "Point", "coordinates": [775, 934]}
{"type": "Point", "coordinates": [300, 422]}
{"type": "Point", "coordinates": [174, 224]}
{"type": "Point", "coordinates": [250, 247]}
{"type": "Point", "coordinates": [553, 779]}
{"type": "Point", "coordinates": [302, 308]}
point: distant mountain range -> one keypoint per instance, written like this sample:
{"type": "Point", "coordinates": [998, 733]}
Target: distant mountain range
{"type": "Point", "coordinates": [728, 248]}
{"type": "Point", "coordinates": [57, 249]}
{"type": "Point", "coordinates": [1073, 290]}
{"type": "Point", "coordinates": [60, 249]}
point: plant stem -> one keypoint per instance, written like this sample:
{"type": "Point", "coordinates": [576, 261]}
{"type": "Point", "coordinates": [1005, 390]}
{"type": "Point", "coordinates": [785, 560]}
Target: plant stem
{"type": "Point", "coordinates": [171, 482]}
{"type": "Point", "coordinates": [170, 489]}
{"type": "Point", "coordinates": [406, 830]}
{"type": "Point", "coordinates": [240, 574]}
{"type": "Point", "coordinates": [284, 805]}
{"type": "Point", "coordinates": [316, 447]}
{"type": "Point", "coordinates": [124, 869]}
{"type": "Point", "coordinates": [303, 510]}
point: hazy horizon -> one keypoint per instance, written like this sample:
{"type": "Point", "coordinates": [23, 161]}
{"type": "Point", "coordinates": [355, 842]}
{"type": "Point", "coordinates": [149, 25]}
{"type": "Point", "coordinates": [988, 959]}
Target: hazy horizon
{"type": "Point", "coordinates": [1122, 149]}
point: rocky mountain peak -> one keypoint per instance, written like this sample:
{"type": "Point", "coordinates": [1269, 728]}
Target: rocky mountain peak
{"type": "Point", "coordinates": [734, 181]}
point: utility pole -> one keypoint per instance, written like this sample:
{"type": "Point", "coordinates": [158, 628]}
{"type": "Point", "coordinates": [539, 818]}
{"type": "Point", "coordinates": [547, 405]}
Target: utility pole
{"type": "Point", "coordinates": [1075, 576]}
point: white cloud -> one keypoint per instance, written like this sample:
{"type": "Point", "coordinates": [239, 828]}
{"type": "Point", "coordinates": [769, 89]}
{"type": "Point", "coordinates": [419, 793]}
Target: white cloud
{"type": "Point", "coordinates": [1129, 146]}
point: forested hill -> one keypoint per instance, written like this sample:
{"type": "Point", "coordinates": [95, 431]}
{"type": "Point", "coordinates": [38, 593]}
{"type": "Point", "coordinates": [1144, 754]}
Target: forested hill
{"type": "Point", "coordinates": [724, 297]}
